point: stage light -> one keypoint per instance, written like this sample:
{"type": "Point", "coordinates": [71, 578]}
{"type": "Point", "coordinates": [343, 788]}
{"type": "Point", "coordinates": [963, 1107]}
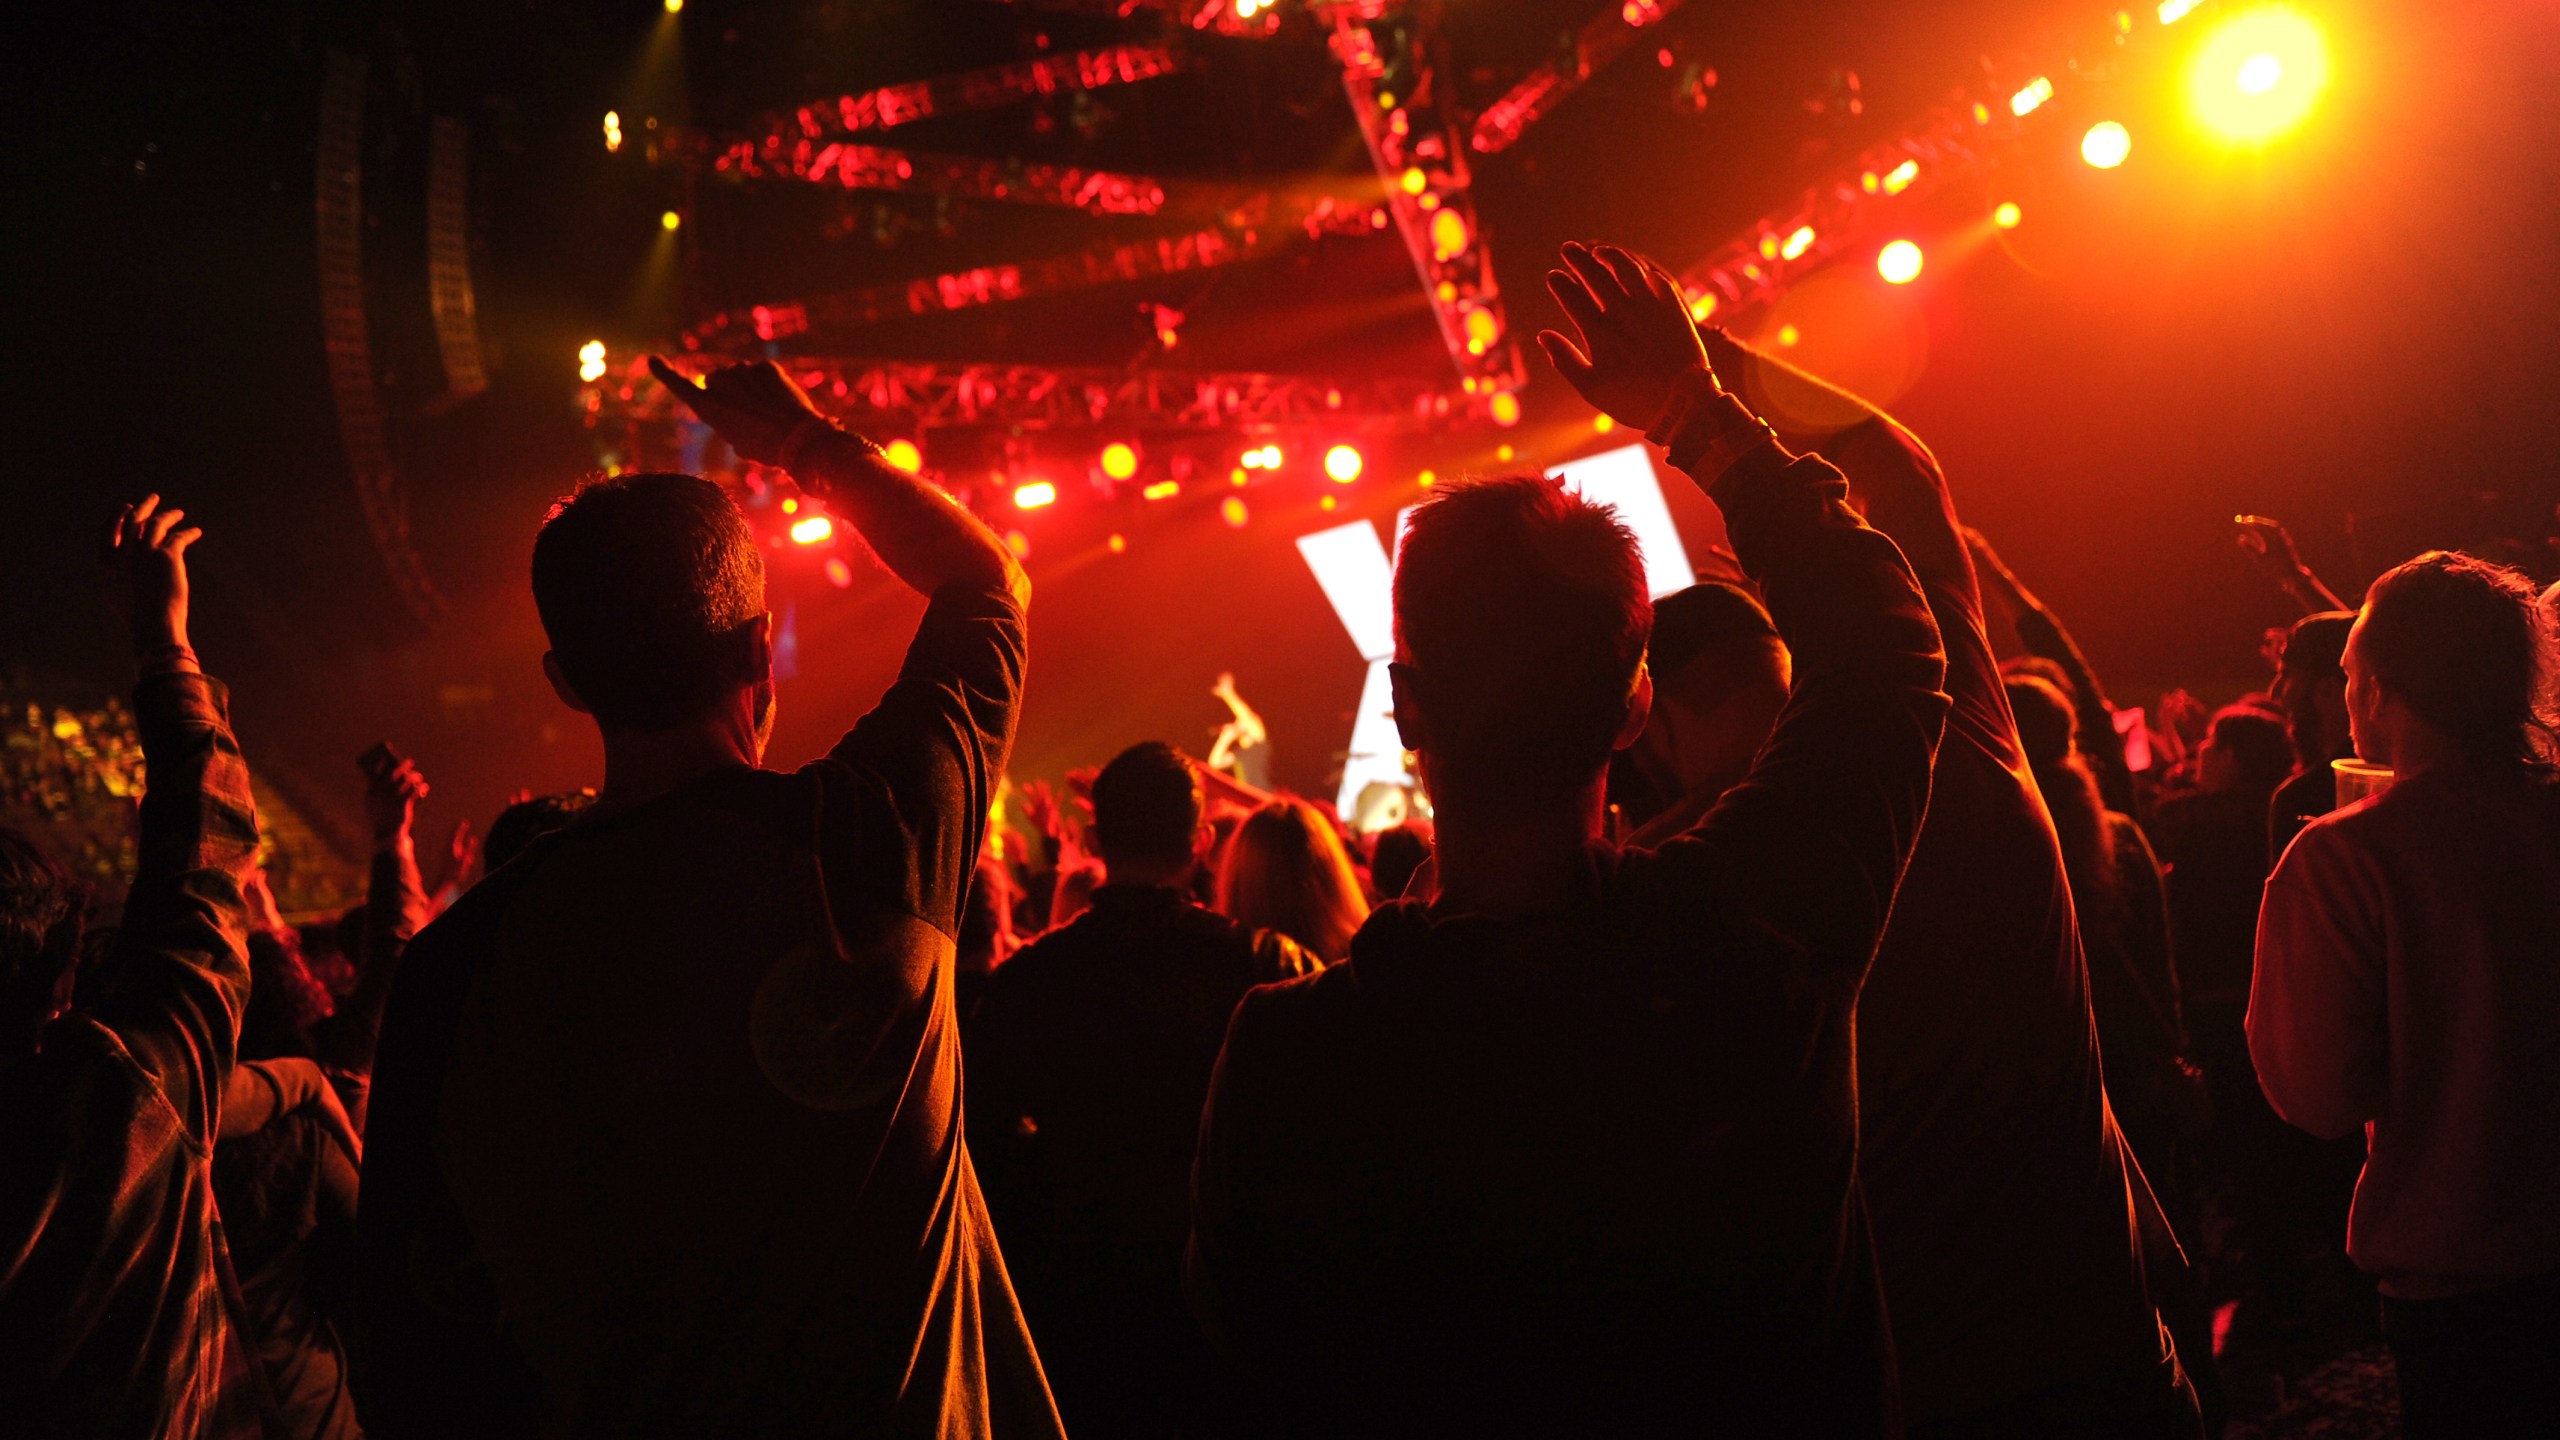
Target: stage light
{"type": "Point", "coordinates": [1449, 235]}
{"type": "Point", "coordinates": [669, 220]}
{"type": "Point", "coordinates": [1018, 543]}
{"type": "Point", "coordinates": [2037, 91]}
{"type": "Point", "coordinates": [1702, 305]}
{"type": "Point", "coordinates": [2106, 145]}
{"type": "Point", "coordinates": [1426, 479]}
{"type": "Point", "coordinates": [1119, 460]}
{"type": "Point", "coordinates": [1899, 262]}
{"type": "Point", "coordinates": [1483, 327]}
{"type": "Point", "coordinates": [1268, 457]}
{"type": "Point", "coordinates": [839, 574]}
{"type": "Point", "coordinates": [1119, 543]}
{"type": "Point", "coordinates": [811, 529]}
{"type": "Point", "coordinates": [1162, 490]}
{"type": "Point", "coordinates": [1797, 243]}
{"type": "Point", "coordinates": [1233, 511]}
{"type": "Point", "coordinates": [2258, 74]}
{"type": "Point", "coordinates": [675, 7]}
{"type": "Point", "coordinates": [1899, 178]}
{"type": "Point", "coordinates": [2008, 215]}
{"type": "Point", "coordinates": [612, 131]}
{"type": "Point", "coordinates": [1504, 452]}
{"type": "Point", "coordinates": [903, 455]}
{"type": "Point", "coordinates": [1326, 503]}
{"type": "Point", "coordinates": [591, 361]}
{"type": "Point", "coordinates": [1032, 494]}
{"type": "Point", "coordinates": [1414, 181]}
{"type": "Point", "coordinates": [1788, 335]}
{"type": "Point", "coordinates": [1342, 462]}
{"type": "Point", "coordinates": [1504, 407]}
{"type": "Point", "coordinates": [790, 505]}
{"type": "Point", "coordinates": [2173, 11]}
{"type": "Point", "coordinates": [1602, 424]}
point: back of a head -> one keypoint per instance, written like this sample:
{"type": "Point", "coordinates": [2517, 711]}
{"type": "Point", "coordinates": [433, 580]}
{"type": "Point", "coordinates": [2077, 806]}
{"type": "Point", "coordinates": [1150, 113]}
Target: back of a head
{"type": "Point", "coordinates": [1286, 870]}
{"type": "Point", "coordinates": [42, 907]}
{"type": "Point", "coordinates": [2260, 747]}
{"type": "Point", "coordinates": [526, 821]}
{"type": "Point", "coordinates": [1394, 857]}
{"type": "Point", "coordinates": [649, 586]}
{"type": "Point", "coordinates": [1146, 806]}
{"type": "Point", "coordinates": [2046, 720]}
{"type": "Point", "coordinates": [2316, 646]}
{"type": "Point", "coordinates": [1520, 611]}
{"type": "Point", "coordinates": [1710, 618]}
{"type": "Point", "coordinates": [2467, 646]}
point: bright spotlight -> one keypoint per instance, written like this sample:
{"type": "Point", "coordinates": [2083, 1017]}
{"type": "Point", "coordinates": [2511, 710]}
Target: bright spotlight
{"type": "Point", "coordinates": [1899, 262]}
{"type": "Point", "coordinates": [1162, 490]}
{"type": "Point", "coordinates": [1482, 328]}
{"type": "Point", "coordinates": [2037, 91]}
{"type": "Point", "coordinates": [2258, 74]}
{"type": "Point", "coordinates": [612, 131]}
{"type": "Point", "coordinates": [2008, 215]}
{"type": "Point", "coordinates": [1504, 407]}
{"type": "Point", "coordinates": [1233, 511]}
{"type": "Point", "coordinates": [675, 7]}
{"type": "Point", "coordinates": [2173, 11]}
{"type": "Point", "coordinates": [1342, 462]}
{"type": "Point", "coordinates": [1702, 305]}
{"type": "Point", "coordinates": [1899, 178]}
{"type": "Point", "coordinates": [1032, 494]}
{"type": "Point", "coordinates": [1449, 236]}
{"type": "Point", "coordinates": [591, 361]}
{"type": "Point", "coordinates": [1119, 460]}
{"type": "Point", "coordinates": [810, 530]}
{"type": "Point", "coordinates": [1797, 243]}
{"type": "Point", "coordinates": [903, 455]}
{"type": "Point", "coordinates": [2106, 145]}
{"type": "Point", "coordinates": [669, 220]}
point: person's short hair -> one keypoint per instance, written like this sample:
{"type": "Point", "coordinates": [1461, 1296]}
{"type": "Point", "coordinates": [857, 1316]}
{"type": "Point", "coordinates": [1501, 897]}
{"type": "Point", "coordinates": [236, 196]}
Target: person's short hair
{"type": "Point", "coordinates": [2046, 720]}
{"type": "Point", "coordinates": [1146, 804]}
{"type": "Point", "coordinates": [1520, 610]}
{"type": "Point", "coordinates": [526, 821]}
{"type": "Point", "coordinates": [2258, 742]}
{"type": "Point", "coordinates": [649, 587]}
{"type": "Point", "coordinates": [1394, 858]}
{"type": "Point", "coordinates": [43, 907]}
{"type": "Point", "coordinates": [2317, 644]}
{"type": "Point", "coordinates": [2467, 646]}
{"type": "Point", "coordinates": [1709, 618]}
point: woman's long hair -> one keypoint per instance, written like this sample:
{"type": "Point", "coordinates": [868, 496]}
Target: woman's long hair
{"type": "Point", "coordinates": [1286, 870]}
{"type": "Point", "coordinates": [2468, 646]}
{"type": "Point", "coordinates": [2045, 722]}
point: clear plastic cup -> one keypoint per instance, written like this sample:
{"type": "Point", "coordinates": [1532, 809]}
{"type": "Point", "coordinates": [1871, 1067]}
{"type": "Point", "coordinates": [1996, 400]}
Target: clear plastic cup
{"type": "Point", "coordinates": [2358, 780]}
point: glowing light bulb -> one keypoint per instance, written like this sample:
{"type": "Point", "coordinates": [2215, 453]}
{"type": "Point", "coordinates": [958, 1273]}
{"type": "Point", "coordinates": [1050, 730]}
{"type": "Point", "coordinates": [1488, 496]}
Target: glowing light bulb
{"type": "Point", "coordinates": [1899, 178]}
{"type": "Point", "coordinates": [669, 220]}
{"type": "Point", "coordinates": [811, 529]}
{"type": "Point", "coordinates": [675, 7]}
{"type": "Point", "coordinates": [1119, 460]}
{"type": "Point", "coordinates": [1162, 490]}
{"type": "Point", "coordinates": [1414, 181]}
{"type": "Point", "coordinates": [591, 366]}
{"type": "Point", "coordinates": [1899, 262]}
{"type": "Point", "coordinates": [2035, 93]}
{"type": "Point", "coordinates": [1449, 235]}
{"type": "Point", "coordinates": [2258, 74]}
{"type": "Point", "coordinates": [2008, 215]}
{"type": "Point", "coordinates": [1032, 494]}
{"type": "Point", "coordinates": [1504, 407]}
{"type": "Point", "coordinates": [1342, 462]}
{"type": "Point", "coordinates": [612, 131]}
{"type": "Point", "coordinates": [903, 455]}
{"type": "Point", "coordinates": [2106, 145]}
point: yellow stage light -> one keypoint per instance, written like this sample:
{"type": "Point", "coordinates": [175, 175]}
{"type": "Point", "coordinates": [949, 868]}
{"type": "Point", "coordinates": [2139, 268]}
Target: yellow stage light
{"type": "Point", "coordinates": [1899, 262]}
{"type": "Point", "coordinates": [2258, 74]}
{"type": "Point", "coordinates": [2106, 145]}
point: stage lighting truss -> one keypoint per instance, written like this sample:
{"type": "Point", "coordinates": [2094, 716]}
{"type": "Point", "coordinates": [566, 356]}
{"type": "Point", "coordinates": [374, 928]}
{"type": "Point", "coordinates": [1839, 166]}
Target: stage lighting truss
{"type": "Point", "coordinates": [1755, 267]}
{"type": "Point", "coordinates": [1392, 76]}
{"type": "Point", "coordinates": [1601, 39]}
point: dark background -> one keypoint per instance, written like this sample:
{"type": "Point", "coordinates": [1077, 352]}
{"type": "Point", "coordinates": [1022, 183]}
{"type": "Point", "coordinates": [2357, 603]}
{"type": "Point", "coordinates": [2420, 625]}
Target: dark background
{"type": "Point", "coordinates": [2357, 322]}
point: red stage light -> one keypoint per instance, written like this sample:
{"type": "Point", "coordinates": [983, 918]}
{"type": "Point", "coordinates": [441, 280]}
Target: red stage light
{"type": "Point", "coordinates": [903, 455]}
{"type": "Point", "coordinates": [1449, 235]}
{"type": "Point", "coordinates": [1032, 494]}
{"type": "Point", "coordinates": [1342, 462]}
{"type": "Point", "coordinates": [1899, 262]}
{"type": "Point", "coordinates": [1119, 460]}
{"type": "Point", "coordinates": [1797, 243]}
{"type": "Point", "coordinates": [1504, 407]}
{"type": "Point", "coordinates": [811, 530]}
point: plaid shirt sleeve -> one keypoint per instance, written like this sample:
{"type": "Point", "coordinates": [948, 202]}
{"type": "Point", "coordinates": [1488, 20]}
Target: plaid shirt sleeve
{"type": "Point", "coordinates": [182, 952]}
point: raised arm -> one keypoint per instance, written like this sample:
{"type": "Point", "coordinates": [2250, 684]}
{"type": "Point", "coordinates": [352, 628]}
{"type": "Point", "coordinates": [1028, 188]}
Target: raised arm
{"type": "Point", "coordinates": [925, 538]}
{"type": "Point", "coordinates": [182, 952]}
{"type": "Point", "coordinates": [1811, 845]}
{"type": "Point", "coordinates": [2042, 632]}
{"type": "Point", "coordinates": [395, 909]}
{"type": "Point", "coordinates": [2267, 543]}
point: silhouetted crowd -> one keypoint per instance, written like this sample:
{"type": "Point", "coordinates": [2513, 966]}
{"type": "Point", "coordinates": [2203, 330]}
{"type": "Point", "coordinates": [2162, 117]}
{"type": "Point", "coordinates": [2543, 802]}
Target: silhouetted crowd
{"type": "Point", "coordinates": [1776, 1016]}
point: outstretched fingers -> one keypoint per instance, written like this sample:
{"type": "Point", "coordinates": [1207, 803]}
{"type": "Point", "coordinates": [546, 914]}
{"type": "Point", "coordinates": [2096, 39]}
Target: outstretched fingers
{"type": "Point", "coordinates": [682, 386]}
{"type": "Point", "coordinates": [1568, 360]}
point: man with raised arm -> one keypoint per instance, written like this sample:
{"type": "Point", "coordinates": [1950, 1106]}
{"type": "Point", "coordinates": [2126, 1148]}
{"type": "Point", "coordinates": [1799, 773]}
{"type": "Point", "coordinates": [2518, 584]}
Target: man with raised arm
{"type": "Point", "coordinates": [112, 1318]}
{"type": "Point", "coordinates": [2001, 1192]}
{"type": "Point", "coordinates": [666, 1132]}
{"type": "Point", "coordinates": [1572, 1149]}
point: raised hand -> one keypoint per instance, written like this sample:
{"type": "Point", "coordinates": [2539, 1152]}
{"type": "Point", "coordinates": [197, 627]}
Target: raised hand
{"type": "Point", "coordinates": [2263, 539]}
{"type": "Point", "coordinates": [392, 789]}
{"type": "Point", "coordinates": [147, 573]}
{"type": "Point", "coordinates": [1637, 340]}
{"type": "Point", "coordinates": [754, 406]}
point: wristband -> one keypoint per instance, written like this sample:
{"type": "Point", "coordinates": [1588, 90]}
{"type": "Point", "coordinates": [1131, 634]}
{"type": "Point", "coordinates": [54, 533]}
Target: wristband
{"type": "Point", "coordinates": [1693, 388]}
{"type": "Point", "coordinates": [1714, 433]}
